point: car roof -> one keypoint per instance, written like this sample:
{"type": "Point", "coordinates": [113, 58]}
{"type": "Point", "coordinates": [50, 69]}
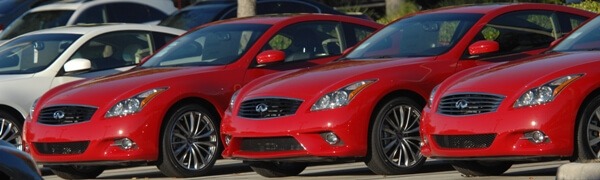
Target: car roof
{"type": "Point", "coordinates": [275, 18]}
{"type": "Point", "coordinates": [486, 8]}
{"type": "Point", "coordinates": [76, 4]}
{"type": "Point", "coordinates": [87, 28]}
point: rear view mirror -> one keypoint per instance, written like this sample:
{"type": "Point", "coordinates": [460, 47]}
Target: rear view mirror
{"type": "Point", "coordinates": [270, 56]}
{"type": "Point", "coordinates": [78, 64]}
{"type": "Point", "coordinates": [484, 47]}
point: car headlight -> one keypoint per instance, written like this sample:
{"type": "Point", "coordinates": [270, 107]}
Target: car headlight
{"type": "Point", "coordinates": [545, 93]}
{"type": "Point", "coordinates": [340, 97]}
{"type": "Point", "coordinates": [32, 108]}
{"type": "Point", "coordinates": [232, 101]}
{"type": "Point", "coordinates": [431, 95]}
{"type": "Point", "coordinates": [133, 104]}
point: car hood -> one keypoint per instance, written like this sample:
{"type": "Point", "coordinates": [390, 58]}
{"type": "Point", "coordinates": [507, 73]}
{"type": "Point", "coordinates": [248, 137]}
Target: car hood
{"type": "Point", "coordinates": [328, 77]}
{"type": "Point", "coordinates": [521, 75]}
{"type": "Point", "coordinates": [126, 84]}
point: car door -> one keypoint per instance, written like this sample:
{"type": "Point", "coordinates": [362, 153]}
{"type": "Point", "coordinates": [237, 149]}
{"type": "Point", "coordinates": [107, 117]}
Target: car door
{"type": "Point", "coordinates": [521, 34]}
{"type": "Point", "coordinates": [308, 44]}
{"type": "Point", "coordinates": [113, 52]}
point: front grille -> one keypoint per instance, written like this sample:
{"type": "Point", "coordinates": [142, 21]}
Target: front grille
{"type": "Point", "coordinates": [465, 141]}
{"type": "Point", "coordinates": [467, 104]}
{"type": "Point", "coordinates": [268, 107]}
{"type": "Point", "coordinates": [57, 115]}
{"type": "Point", "coordinates": [270, 144]}
{"type": "Point", "coordinates": [62, 148]}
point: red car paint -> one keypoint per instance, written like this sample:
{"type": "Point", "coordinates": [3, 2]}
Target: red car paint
{"type": "Point", "coordinates": [203, 85]}
{"type": "Point", "coordinates": [281, 141]}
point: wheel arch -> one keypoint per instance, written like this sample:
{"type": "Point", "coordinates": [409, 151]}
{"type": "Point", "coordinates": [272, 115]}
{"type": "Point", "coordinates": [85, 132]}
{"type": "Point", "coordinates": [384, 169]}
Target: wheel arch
{"type": "Point", "coordinates": [12, 111]}
{"type": "Point", "coordinates": [580, 110]}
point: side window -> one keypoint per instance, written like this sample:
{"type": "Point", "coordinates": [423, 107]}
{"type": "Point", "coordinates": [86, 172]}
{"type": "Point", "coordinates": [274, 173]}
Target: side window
{"type": "Point", "coordinates": [568, 22]}
{"type": "Point", "coordinates": [96, 14]}
{"type": "Point", "coordinates": [520, 31]}
{"type": "Point", "coordinates": [284, 7]}
{"type": "Point", "coordinates": [355, 33]}
{"type": "Point", "coordinates": [160, 39]}
{"type": "Point", "coordinates": [132, 13]}
{"type": "Point", "coordinates": [113, 50]}
{"type": "Point", "coordinates": [304, 41]}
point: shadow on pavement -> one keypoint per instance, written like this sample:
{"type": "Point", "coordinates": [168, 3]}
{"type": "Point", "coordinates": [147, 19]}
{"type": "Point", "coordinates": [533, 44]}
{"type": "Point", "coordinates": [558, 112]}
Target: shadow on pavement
{"type": "Point", "coordinates": [433, 166]}
{"type": "Point", "coordinates": [216, 170]}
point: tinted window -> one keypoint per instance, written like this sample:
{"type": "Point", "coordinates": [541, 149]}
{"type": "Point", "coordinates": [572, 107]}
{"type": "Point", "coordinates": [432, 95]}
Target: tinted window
{"type": "Point", "coordinates": [33, 53]}
{"type": "Point", "coordinates": [188, 19]}
{"type": "Point", "coordinates": [568, 22]}
{"type": "Point", "coordinates": [356, 33]}
{"type": "Point", "coordinates": [94, 14]}
{"type": "Point", "coordinates": [209, 46]}
{"type": "Point", "coordinates": [160, 39]}
{"type": "Point", "coordinates": [284, 7]}
{"type": "Point", "coordinates": [520, 31]}
{"type": "Point", "coordinates": [36, 21]}
{"type": "Point", "coordinates": [309, 40]}
{"type": "Point", "coordinates": [416, 36]}
{"type": "Point", "coordinates": [115, 50]}
{"type": "Point", "coordinates": [132, 13]}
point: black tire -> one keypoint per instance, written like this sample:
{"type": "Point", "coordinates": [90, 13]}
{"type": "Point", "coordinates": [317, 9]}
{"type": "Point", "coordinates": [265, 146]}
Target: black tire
{"type": "Point", "coordinates": [10, 129]}
{"type": "Point", "coordinates": [394, 149]}
{"type": "Point", "coordinates": [178, 145]}
{"type": "Point", "coordinates": [481, 168]}
{"type": "Point", "coordinates": [587, 144]}
{"type": "Point", "coordinates": [277, 169]}
{"type": "Point", "coordinates": [77, 172]}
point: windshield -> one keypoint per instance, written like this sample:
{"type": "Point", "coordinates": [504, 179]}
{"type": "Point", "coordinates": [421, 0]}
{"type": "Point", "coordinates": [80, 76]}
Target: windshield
{"type": "Point", "coordinates": [31, 54]}
{"type": "Point", "coordinates": [586, 38]}
{"type": "Point", "coordinates": [416, 36]}
{"type": "Point", "coordinates": [188, 19]}
{"type": "Point", "coordinates": [209, 46]}
{"type": "Point", "coordinates": [36, 21]}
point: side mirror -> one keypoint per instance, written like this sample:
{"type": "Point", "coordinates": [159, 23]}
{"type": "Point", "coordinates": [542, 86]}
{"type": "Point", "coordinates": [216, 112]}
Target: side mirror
{"type": "Point", "coordinates": [270, 56]}
{"type": "Point", "coordinates": [483, 47]}
{"type": "Point", "coordinates": [78, 64]}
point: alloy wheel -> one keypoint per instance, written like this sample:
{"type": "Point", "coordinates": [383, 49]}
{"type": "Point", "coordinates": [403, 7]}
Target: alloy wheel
{"type": "Point", "coordinates": [194, 140]}
{"type": "Point", "coordinates": [10, 133]}
{"type": "Point", "coordinates": [400, 136]}
{"type": "Point", "coordinates": [593, 130]}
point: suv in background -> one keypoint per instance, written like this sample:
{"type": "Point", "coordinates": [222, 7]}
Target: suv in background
{"type": "Point", "coordinates": [69, 12]}
{"type": "Point", "coordinates": [207, 11]}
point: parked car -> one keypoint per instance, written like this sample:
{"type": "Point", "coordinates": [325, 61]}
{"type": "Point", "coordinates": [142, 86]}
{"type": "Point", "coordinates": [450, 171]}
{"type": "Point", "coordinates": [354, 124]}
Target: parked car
{"type": "Point", "coordinates": [207, 11]}
{"type": "Point", "coordinates": [33, 63]}
{"type": "Point", "coordinates": [70, 12]}
{"type": "Point", "coordinates": [367, 106]}
{"type": "Point", "coordinates": [547, 107]}
{"type": "Point", "coordinates": [167, 110]}
{"type": "Point", "coordinates": [17, 164]}
{"type": "Point", "coordinates": [11, 9]}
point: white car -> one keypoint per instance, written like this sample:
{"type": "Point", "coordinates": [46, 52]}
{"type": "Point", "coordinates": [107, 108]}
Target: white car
{"type": "Point", "coordinates": [70, 12]}
{"type": "Point", "coordinates": [33, 63]}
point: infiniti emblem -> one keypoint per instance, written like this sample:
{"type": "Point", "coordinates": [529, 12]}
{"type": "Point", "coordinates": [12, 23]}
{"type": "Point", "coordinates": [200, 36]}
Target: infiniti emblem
{"type": "Point", "coordinates": [58, 114]}
{"type": "Point", "coordinates": [262, 108]}
{"type": "Point", "coordinates": [461, 104]}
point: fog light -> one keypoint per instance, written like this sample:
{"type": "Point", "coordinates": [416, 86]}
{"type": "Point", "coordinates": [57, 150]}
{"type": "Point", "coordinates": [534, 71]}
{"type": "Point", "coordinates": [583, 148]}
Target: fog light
{"type": "Point", "coordinates": [330, 137]}
{"type": "Point", "coordinates": [124, 143]}
{"type": "Point", "coordinates": [536, 137]}
{"type": "Point", "coordinates": [227, 139]}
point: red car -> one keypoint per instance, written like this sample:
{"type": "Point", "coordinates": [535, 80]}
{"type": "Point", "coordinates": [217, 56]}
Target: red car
{"type": "Point", "coordinates": [367, 106]}
{"type": "Point", "coordinates": [167, 111]}
{"type": "Point", "coordinates": [547, 107]}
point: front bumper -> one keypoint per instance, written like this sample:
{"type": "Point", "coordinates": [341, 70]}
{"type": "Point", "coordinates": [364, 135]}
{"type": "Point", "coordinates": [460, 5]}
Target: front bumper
{"type": "Point", "coordinates": [460, 137]}
{"type": "Point", "coordinates": [297, 137]}
{"type": "Point", "coordinates": [66, 144]}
